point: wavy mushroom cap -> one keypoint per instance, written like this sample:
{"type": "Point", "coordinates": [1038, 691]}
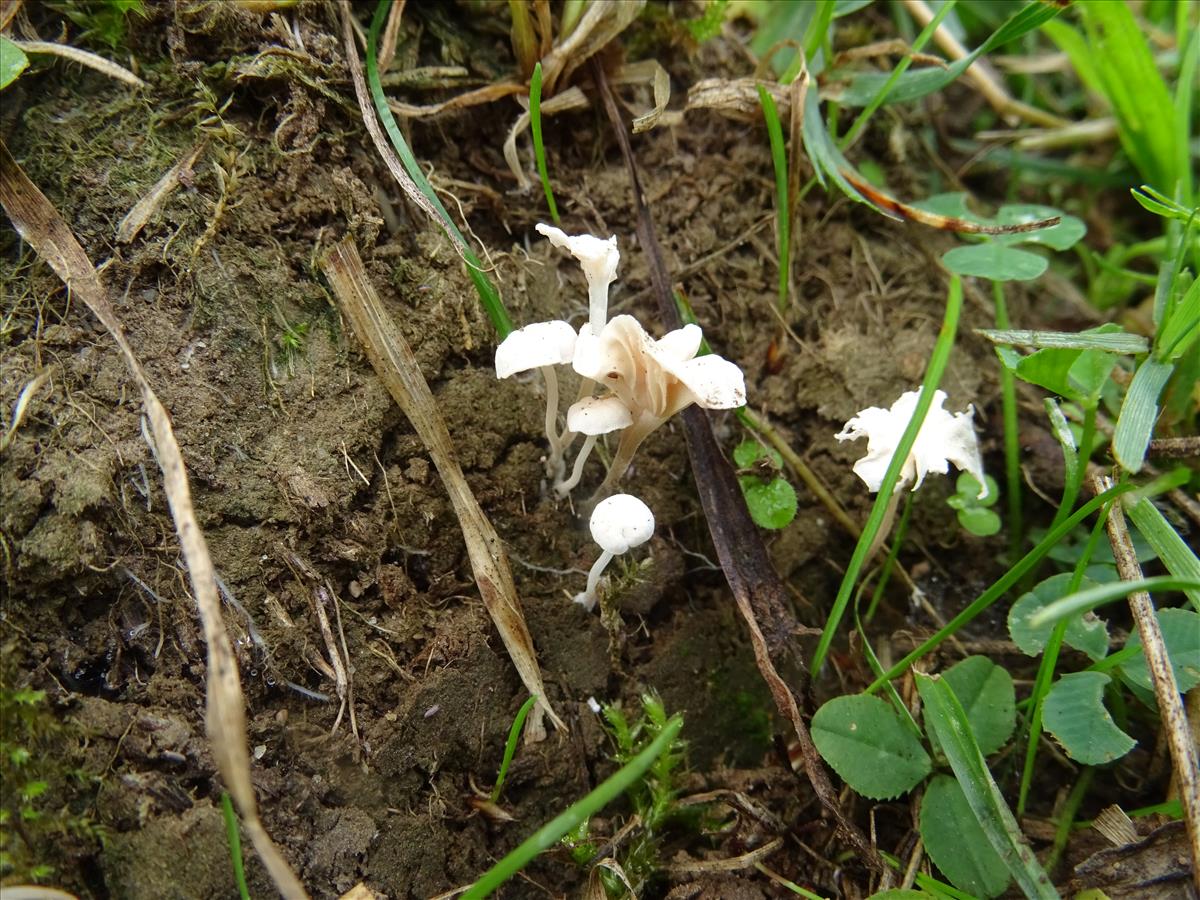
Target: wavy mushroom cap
{"type": "Point", "coordinates": [944, 438]}
{"type": "Point", "coordinates": [598, 257]}
{"type": "Point", "coordinates": [620, 522]}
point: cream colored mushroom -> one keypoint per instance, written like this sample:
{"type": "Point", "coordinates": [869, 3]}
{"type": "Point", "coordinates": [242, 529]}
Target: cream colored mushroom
{"type": "Point", "coordinates": [653, 379]}
{"type": "Point", "coordinates": [598, 258]}
{"type": "Point", "coordinates": [618, 524]}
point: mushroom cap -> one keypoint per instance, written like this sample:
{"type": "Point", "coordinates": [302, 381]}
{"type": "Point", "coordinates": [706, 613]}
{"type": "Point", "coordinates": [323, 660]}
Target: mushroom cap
{"type": "Point", "coordinates": [598, 257]}
{"type": "Point", "coordinates": [598, 415]}
{"type": "Point", "coordinates": [536, 345]}
{"type": "Point", "coordinates": [944, 438]}
{"type": "Point", "coordinates": [620, 522]}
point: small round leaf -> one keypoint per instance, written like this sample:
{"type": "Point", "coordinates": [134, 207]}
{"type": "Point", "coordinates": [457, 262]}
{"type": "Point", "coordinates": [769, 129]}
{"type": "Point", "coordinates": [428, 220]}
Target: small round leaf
{"type": "Point", "coordinates": [956, 842]}
{"type": "Point", "coordinates": [978, 520]}
{"type": "Point", "coordinates": [986, 693]}
{"type": "Point", "coordinates": [1085, 632]}
{"type": "Point", "coordinates": [867, 744]}
{"type": "Point", "coordinates": [1181, 633]}
{"type": "Point", "coordinates": [772, 505]}
{"type": "Point", "coordinates": [1074, 713]}
{"type": "Point", "coordinates": [994, 261]}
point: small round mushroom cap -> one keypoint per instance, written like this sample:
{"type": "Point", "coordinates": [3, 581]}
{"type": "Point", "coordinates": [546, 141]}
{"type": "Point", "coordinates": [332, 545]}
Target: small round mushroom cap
{"type": "Point", "coordinates": [536, 345]}
{"type": "Point", "coordinates": [598, 415]}
{"type": "Point", "coordinates": [620, 522]}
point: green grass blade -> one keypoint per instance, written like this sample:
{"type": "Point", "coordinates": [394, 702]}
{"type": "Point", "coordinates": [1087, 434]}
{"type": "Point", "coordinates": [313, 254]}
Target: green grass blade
{"type": "Point", "coordinates": [510, 745]}
{"type": "Point", "coordinates": [1012, 435]}
{"type": "Point", "coordinates": [885, 89]}
{"type": "Point", "coordinates": [914, 85]}
{"type": "Point", "coordinates": [1184, 98]}
{"type": "Point", "coordinates": [1002, 585]}
{"type": "Point", "coordinates": [235, 846]}
{"type": "Point", "coordinates": [1179, 559]}
{"type": "Point", "coordinates": [783, 216]}
{"type": "Point", "coordinates": [946, 718]}
{"type": "Point", "coordinates": [580, 811]}
{"type": "Point", "coordinates": [933, 376]}
{"type": "Point", "coordinates": [488, 295]}
{"type": "Point", "coordinates": [1110, 342]}
{"type": "Point", "coordinates": [1082, 601]}
{"type": "Point", "coordinates": [539, 148]}
{"type": "Point", "coordinates": [1139, 412]}
{"type": "Point", "coordinates": [1143, 105]}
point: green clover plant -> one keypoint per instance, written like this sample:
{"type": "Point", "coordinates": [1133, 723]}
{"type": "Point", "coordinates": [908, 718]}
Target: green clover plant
{"type": "Point", "coordinates": [769, 497]}
{"type": "Point", "coordinates": [974, 514]}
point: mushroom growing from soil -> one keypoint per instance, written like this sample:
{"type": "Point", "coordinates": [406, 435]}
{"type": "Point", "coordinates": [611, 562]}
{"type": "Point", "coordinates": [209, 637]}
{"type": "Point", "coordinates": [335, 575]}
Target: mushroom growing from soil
{"type": "Point", "coordinates": [652, 379]}
{"type": "Point", "coordinates": [542, 346]}
{"type": "Point", "coordinates": [618, 524]}
{"type": "Point", "coordinates": [944, 438]}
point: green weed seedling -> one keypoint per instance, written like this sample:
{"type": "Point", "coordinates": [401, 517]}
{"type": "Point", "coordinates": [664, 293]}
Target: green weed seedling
{"type": "Point", "coordinates": [233, 835]}
{"type": "Point", "coordinates": [644, 765]}
{"type": "Point", "coordinates": [769, 497]}
{"type": "Point", "coordinates": [975, 514]}
{"type": "Point", "coordinates": [653, 799]}
{"type": "Point", "coordinates": [13, 62]}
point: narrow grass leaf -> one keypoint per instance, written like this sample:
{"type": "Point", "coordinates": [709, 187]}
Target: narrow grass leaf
{"type": "Point", "coordinates": [235, 846]}
{"type": "Point", "coordinates": [988, 697]}
{"type": "Point", "coordinates": [1139, 412]}
{"type": "Point", "coordinates": [1082, 601]}
{"type": "Point", "coordinates": [580, 811]}
{"type": "Point", "coordinates": [510, 745]}
{"type": "Point", "coordinates": [1086, 633]}
{"type": "Point", "coordinates": [1182, 327]}
{"type": "Point", "coordinates": [1168, 546]}
{"type": "Point", "coordinates": [1181, 635]}
{"type": "Point", "coordinates": [868, 745]}
{"type": "Point", "coordinates": [933, 376]}
{"type": "Point", "coordinates": [783, 217]}
{"type": "Point", "coordinates": [914, 85]}
{"type": "Point", "coordinates": [1112, 342]}
{"type": "Point", "coordinates": [1074, 713]}
{"type": "Point", "coordinates": [1069, 231]}
{"type": "Point", "coordinates": [1136, 90]}
{"type": "Point", "coordinates": [488, 295]}
{"type": "Point", "coordinates": [539, 148]}
{"type": "Point", "coordinates": [946, 717]}
{"type": "Point", "coordinates": [956, 843]}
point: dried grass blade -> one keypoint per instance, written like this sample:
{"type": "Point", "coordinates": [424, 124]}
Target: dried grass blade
{"type": "Point", "coordinates": [84, 58]}
{"type": "Point", "coordinates": [393, 361]}
{"type": "Point", "coordinates": [40, 225]}
{"type": "Point", "coordinates": [1162, 676]}
{"type": "Point", "coordinates": [141, 212]}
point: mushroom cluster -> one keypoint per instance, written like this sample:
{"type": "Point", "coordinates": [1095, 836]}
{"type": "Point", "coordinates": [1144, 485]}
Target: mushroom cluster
{"type": "Point", "coordinates": [629, 382]}
{"type": "Point", "coordinates": [642, 381]}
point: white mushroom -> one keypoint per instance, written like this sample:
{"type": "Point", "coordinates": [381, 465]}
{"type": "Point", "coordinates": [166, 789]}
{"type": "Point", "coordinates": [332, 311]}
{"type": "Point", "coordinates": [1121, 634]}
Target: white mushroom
{"type": "Point", "coordinates": [592, 416]}
{"type": "Point", "coordinates": [944, 438]}
{"type": "Point", "coordinates": [618, 524]}
{"type": "Point", "coordinates": [653, 379]}
{"type": "Point", "coordinates": [599, 259]}
{"type": "Point", "coordinates": [542, 345]}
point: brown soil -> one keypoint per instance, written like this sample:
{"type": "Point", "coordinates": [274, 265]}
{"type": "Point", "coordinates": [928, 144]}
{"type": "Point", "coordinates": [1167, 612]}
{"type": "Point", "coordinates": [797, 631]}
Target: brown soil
{"type": "Point", "coordinates": [296, 449]}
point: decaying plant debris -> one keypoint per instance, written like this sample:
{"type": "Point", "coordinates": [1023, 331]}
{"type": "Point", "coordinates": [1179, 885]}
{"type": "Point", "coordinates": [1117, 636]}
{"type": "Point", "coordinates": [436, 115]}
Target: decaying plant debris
{"type": "Point", "coordinates": [355, 568]}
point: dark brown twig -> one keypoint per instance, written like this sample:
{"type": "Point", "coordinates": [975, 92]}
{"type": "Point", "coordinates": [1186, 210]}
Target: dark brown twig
{"type": "Point", "coordinates": [761, 597]}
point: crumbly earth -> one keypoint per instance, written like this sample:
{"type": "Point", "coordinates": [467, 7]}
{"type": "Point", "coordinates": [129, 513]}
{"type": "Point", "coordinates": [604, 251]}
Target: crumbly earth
{"type": "Point", "coordinates": [300, 461]}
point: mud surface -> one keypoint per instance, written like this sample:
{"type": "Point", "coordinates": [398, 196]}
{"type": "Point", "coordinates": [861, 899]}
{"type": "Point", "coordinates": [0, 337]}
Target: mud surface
{"type": "Point", "coordinates": [301, 463]}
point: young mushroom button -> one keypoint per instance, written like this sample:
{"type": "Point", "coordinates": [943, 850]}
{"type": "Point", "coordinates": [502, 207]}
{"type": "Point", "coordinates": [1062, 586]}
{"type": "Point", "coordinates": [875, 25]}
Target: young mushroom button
{"type": "Point", "coordinates": [618, 524]}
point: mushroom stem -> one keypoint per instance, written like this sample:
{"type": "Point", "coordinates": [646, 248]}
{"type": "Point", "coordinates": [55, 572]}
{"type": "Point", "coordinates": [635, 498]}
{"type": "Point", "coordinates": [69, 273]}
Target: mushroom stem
{"type": "Point", "coordinates": [587, 599]}
{"type": "Point", "coordinates": [558, 444]}
{"type": "Point", "coordinates": [597, 305]}
{"type": "Point", "coordinates": [565, 487]}
{"type": "Point", "coordinates": [631, 439]}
